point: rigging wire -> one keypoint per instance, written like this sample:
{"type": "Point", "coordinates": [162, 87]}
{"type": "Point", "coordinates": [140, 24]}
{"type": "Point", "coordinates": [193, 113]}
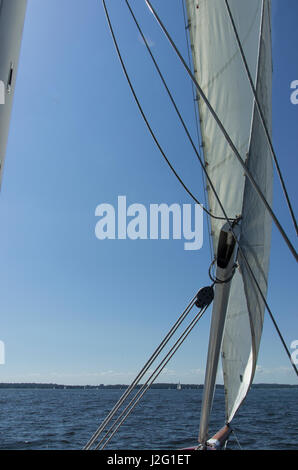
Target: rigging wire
{"type": "Point", "coordinates": [142, 372]}
{"type": "Point", "coordinates": [224, 132]}
{"type": "Point", "coordinates": [261, 114]}
{"type": "Point", "coordinates": [167, 89]}
{"type": "Point", "coordinates": [129, 408]}
{"type": "Point", "coordinates": [146, 120]}
{"type": "Point", "coordinates": [240, 249]}
{"type": "Point", "coordinates": [174, 104]}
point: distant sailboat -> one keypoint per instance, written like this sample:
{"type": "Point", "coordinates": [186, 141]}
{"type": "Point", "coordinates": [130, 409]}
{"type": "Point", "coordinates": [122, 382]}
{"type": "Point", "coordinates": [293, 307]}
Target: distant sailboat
{"type": "Point", "coordinates": [179, 387]}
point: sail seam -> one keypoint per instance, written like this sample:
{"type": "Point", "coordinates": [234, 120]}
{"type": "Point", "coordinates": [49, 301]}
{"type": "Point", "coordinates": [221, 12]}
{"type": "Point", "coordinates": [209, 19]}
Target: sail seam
{"type": "Point", "coordinates": [232, 58]}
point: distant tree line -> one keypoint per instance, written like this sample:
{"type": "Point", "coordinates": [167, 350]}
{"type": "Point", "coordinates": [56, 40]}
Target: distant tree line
{"type": "Point", "coordinates": [159, 386]}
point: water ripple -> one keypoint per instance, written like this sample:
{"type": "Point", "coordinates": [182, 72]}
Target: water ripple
{"type": "Point", "coordinates": [165, 419]}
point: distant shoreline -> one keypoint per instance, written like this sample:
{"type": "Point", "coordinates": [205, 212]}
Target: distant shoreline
{"type": "Point", "coordinates": [159, 386]}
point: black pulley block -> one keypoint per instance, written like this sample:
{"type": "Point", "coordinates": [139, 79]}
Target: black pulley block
{"type": "Point", "coordinates": [204, 296]}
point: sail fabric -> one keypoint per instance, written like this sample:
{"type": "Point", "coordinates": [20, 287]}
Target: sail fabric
{"type": "Point", "coordinates": [256, 227]}
{"type": "Point", "coordinates": [12, 15]}
{"type": "Point", "coordinates": [220, 72]}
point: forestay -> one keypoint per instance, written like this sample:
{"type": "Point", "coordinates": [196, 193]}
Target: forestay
{"type": "Point", "coordinates": [220, 71]}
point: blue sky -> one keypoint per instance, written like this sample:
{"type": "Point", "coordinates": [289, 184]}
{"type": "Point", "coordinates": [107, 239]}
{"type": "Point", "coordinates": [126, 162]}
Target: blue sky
{"type": "Point", "coordinates": [78, 310]}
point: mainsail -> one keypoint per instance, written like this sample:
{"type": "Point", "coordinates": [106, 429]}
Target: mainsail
{"type": "Point", "coordinates": [12, 14]}
{"type": "Point", "coordinates": [220, 71]}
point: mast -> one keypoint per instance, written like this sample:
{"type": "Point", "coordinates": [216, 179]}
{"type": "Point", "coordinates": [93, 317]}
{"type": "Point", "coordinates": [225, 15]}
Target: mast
{"type": "Point", "coordinates": [12, 16]}
{"type": "Point", "coordinates": [226, 256]}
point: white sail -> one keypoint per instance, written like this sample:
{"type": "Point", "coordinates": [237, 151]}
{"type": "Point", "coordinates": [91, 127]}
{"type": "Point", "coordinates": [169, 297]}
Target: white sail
{"type": "Point", "coordinates": [220, 71]}
{"type": "Point", "coordinates": [12, 14]}
{"type": "Point", "coordinates": [256, 234]}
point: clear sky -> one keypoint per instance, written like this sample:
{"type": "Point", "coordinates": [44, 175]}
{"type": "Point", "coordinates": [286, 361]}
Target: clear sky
{"type": "Point", "coordinates": [78, 310]}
